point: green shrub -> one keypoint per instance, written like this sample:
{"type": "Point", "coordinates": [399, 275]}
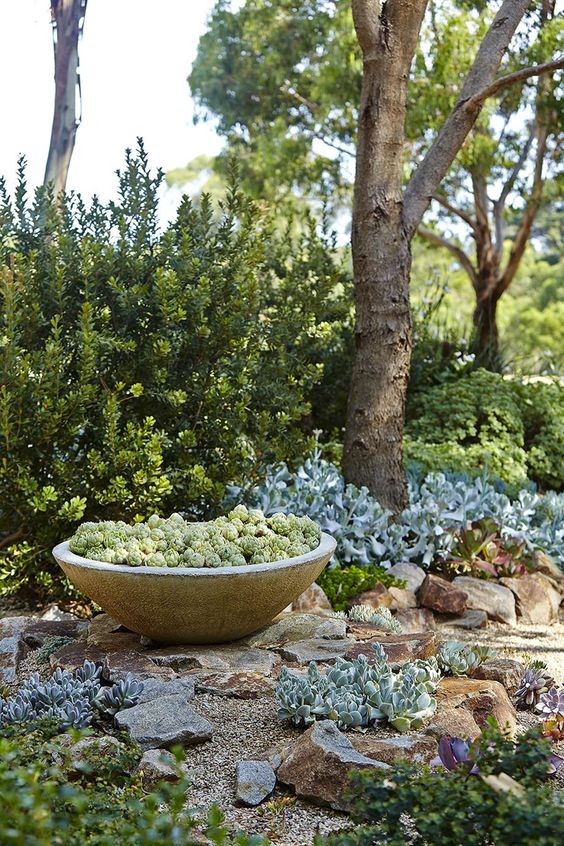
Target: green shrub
{"type": "Point", "coordinates": [484, 421]}
{"type": "Point", "coordinates": [104, 805]}
{"type": "Point", "coordinates": [411, 805]}
{"type": "Point", "coordinates": [342, 584]}
{"type": "Point", "coordinates": [142, 370]}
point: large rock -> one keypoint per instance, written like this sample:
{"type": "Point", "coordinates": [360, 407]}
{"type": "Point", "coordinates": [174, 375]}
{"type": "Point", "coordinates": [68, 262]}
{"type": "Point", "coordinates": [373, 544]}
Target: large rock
{"type": "Point", "coordinates": [507, 671]}
{"type": "Point", "coordinates": [235, 685]}
{"type": "Point", "coordinates": [442, 596]}
{"type": "Point", "coordinates": [83, 754]}
{"type": "Point", "coordinates": [545, 564]}
{"type": "Point", "coordinates": [537, 598]}
{"type": "Point", "coordinates": [304, 651]}
{"type": "Point", "coordinates": [162, 723]}
{"type": "Point", "coordinates": [471, 619]}
{"type": "Point", "coordinates": [376, 597]}
{"type": "Point", "coordinates": [294, 627]}
{"type": "Point", "coordinates": [73, 655]}
{"type": "Point", "coordinates": [319, 763]}
{"type": "Point", "coordinates": [254, 781]}
{"type": "Point", "coordinates": [482, 698]}
{"type": "Point", "coordinates": [419, 748]}
{"type": "Point", "coordinates": [452, 722]}
{"type": "Point", "coordinates": [413, 575]}
{"type": "Point", "coordinates": [159, 765]}
{"type": "Point", "coordinates": [414, 620]}
{"type": "Point", "coordinates": [312, 601]}
{"type": "Point", "coordinates": [402, 598]}
{"type": "Point", "coordinates": [117, 665]}
{"type": "Point", "coordinates": [496, 600]}
{"type": "Point", "coordinates": [398, 648]}
{"type": "Point", "coordinates": [226, 659]}
{"type": "Point", "coordinates": [155, 688]}
{"type": "Point", "coordinates": [37, 630]}
{"type": "Point", "coordinates": [13, 648]}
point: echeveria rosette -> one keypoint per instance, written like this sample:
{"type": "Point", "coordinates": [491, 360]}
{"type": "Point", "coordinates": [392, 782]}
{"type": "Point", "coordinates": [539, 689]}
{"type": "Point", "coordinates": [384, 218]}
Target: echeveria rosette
{"type": "Point", "coordinates": [551, 703]}
{"type": "Point", "coordinates": [535, 682]}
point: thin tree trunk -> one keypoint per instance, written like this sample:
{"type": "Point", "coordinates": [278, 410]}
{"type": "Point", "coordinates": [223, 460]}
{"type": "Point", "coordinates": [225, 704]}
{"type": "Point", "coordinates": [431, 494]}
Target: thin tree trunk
{"type": "Point", "coordinates": [485, 322]}
{"type": "Point", "coordinates": [373, 451]}
{"type": "Point", "coordinates": [67, 18]}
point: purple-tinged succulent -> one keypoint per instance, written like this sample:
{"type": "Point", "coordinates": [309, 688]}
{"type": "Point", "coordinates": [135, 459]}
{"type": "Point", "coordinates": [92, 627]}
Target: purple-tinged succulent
{"type": "Point", "coordinates": [551, 703]}
{"type": "Point", "coordinates": [455, 752]}
{"type": "Point", "coordinates": [535, 682]}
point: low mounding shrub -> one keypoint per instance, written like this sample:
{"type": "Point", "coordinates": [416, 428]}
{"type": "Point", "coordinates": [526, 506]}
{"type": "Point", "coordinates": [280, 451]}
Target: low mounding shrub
{"type": "Point", "coordinates": [425, 532]}
{"type": "Point", "coordinates": [104, 803]}
{"type": "Point", "coordinates": [503, 802]}
{"type": "Point", "coordinates": [140, 370]}
{"type": "Point", "coordinates": [512, 428]}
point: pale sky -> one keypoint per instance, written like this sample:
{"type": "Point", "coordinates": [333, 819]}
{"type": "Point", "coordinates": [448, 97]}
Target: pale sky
{"type": "Point", "coordinates": [134, 57]}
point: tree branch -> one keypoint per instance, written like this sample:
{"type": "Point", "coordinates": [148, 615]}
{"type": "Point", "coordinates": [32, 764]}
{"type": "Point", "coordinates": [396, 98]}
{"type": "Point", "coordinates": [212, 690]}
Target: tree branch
{"type": "Point", "coordinates": [366, 17]}
{"type": "Point", "coordinates": [458, 252]}
{"type": "Point", "coordinates": [431, 171]}
{"type": "Point", "coordinates": [499, 204]}
{"type": "Point", "coordinates": [521, 75]}
{"type": "Point", "coordinates": [467, 218]}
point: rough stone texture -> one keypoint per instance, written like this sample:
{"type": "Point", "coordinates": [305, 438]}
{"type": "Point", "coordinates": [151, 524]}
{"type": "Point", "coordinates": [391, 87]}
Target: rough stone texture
{"type": "Point", "coordinates": [496, 600]}
{"type": "Point", "coordinates": [483, 698]}
{"type": "Point", "coordinates": [156, 687]}
{"type": "Point", "coordinates": [402, 598]}
{"type": "Point", "coordinates": [398, 648]}
{"type": "Point", "coordinates": [419, 748]}
{"type": "Point", "coordinates": [304, 651]}
{"type": "Point", "coordinates": [453, 722]}
{"type": "Point", "coordinates": [376, 597]}
{"type": "Point", "coordinates": [471, 619]}
{"type": "Point", "coordinates": [163, 722]}
{"type": "Point", "coordinates": [158, 765]}
{"type": "Point", "coordinates": [364, 631]}
{"type": "Point", "coordinates": [507, 671]}
{"type": "Point", "coordinates": [254, 781]}
{"type": "Point", "coordinates": [312, 601]}
{"type": "Point", "coordinates": [319, 763]}
{"type": "Point", "coordinates": [414, 620]}
{"type": "Point", "coordinates": [116, 666]}
{"type": "Point", "coordinates": [81, 752]}
{"type": "Point", "coordinates": [226, 659]}
{"type": "Point", "coordinates": [293, 627]}
{"type": "Point", "coordinates": [236, 685]}
{"type": "Point", "coordinates": [73, 655]}
{"type": "Point", "coordinates": [546, 565]}
{"type": "Point", "coordinates": [410, 573]}
{"type": "Point", "coordinates": [442, 596]}
{"type": "Point", "coordinates": [38, 629]}
{"type": "Point", "coordinates": [537, 599]}
{"type": "Point", "coordinates": [12, 647]}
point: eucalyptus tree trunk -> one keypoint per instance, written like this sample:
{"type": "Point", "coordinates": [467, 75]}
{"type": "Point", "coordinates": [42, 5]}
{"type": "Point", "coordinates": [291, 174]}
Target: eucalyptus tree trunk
{"type": "Point", "coordinates": [385, 219]}
{"type": "Point", "coordinates": [67, 17]}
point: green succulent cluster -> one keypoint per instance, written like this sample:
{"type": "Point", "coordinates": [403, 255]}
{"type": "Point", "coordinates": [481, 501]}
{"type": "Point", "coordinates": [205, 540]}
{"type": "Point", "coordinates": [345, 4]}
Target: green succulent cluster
{"type": "Point", "coordinates": [458, 659]}
{"type": "Point", "coordinates": [381, 617]}
{"type": "Point", "coordinates": [358, 693]}
{"type": "Point", "coordinates": [244, 536]}
{"type": "Point", "coordinates": [342, 584]}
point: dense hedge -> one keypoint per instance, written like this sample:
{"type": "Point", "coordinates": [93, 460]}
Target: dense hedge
{"type": "Point", "coordinates": [141, 370]}
{"type": "Point", "coordinates": [483, 420]}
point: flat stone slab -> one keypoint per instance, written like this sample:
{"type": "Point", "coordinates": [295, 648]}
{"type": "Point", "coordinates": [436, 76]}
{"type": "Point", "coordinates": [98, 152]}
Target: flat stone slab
{"type": "Point", "coordinates": [155, 688]}
{"type": "Point", "coordinates": [398, 648]}
{"type": "Point", "coordinates": [304, 651]}
{"type": "Point", "coordinates": [472, 618]}
{"type": "Point", "coordinates": [254, 781]}
{"type": "Point", "coordinates": [164, 722]}
{"type": "Point", "coordinates": [227, 658]}
{"type": "Point", "coordinates": [37, 630]}
{"type": "Point", "coordinates": [235, 685]}
{"type": "Point", "coordinates": [297, 627]}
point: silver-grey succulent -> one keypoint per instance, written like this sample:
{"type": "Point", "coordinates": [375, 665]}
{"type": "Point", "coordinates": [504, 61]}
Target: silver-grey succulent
{"type": "Point", "coordinates": [357, 693]}
{"type": "Point", "coordinates": [71, 700]}
{"type": "Point", "coordinates": [381, 617]}
{"type": "Point", "coordinates": [459, 659]}
{"type": "Point", "coordinates": [535, 682]}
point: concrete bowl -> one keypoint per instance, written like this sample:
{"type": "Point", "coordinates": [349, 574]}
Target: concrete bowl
{"type": "Point", "coordinates": [195, 604]}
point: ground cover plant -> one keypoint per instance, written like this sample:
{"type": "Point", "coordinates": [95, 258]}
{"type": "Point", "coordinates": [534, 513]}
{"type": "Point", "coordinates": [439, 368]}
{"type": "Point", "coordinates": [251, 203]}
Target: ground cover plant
{"type": "Point", "coordinates": [498, 795]}
{"type": "Point", "coordinates": [427, 532]}
{"type": "Point", "coordinates": [146, 368]}
{"type": "Point", "coordinates": [241, 537]}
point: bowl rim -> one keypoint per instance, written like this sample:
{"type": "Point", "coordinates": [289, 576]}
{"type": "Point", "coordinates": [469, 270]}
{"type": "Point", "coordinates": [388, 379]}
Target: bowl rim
{"type": "Point", "coordinates": [326, 547]}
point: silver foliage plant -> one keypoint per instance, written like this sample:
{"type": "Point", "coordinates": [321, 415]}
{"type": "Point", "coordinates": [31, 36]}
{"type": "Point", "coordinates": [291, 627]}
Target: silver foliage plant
{"type": "Point", "coordinates": [358, 693]}
{"type": "Point", "coordinates": [381, 617]}
{"type": "Point", "coordinates": [423, 532]}
{"type": "Point", "coordinates": [69, 699]}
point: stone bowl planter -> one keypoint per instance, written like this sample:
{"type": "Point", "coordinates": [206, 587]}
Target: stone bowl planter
{"type": "Point", "coordinates": [195, 604]}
